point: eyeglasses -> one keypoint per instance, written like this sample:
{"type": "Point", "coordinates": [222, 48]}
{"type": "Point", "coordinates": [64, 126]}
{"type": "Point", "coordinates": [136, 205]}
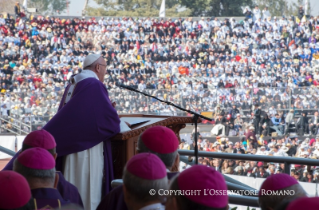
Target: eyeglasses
{"type": "Point", "coordinates": [102, 65]}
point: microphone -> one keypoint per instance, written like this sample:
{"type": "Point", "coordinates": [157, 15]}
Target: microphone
{"type": "Point", "coordinates": [124, 86]}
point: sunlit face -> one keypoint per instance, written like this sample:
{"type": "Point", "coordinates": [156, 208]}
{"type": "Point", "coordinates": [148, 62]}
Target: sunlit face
{"type": "Point", "coordinates": [100, 69]}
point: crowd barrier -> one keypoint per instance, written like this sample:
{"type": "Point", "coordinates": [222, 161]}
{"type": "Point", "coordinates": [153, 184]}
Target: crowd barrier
{"type": "Point", "coordinates": [7, 142]}
{"type": "Point", "coordinates": [10, 142]}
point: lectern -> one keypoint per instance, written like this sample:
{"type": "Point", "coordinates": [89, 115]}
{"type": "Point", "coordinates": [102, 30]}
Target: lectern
{"type": "Point", "coordinates": [124, 144]}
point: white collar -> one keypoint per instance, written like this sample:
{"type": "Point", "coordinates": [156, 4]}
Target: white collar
{"type": "Point", "coordinates": [84, 75]}
{"type": "Point", "coordinates": [155, 206]}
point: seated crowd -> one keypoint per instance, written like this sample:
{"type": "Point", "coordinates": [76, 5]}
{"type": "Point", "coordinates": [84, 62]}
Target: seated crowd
{"type": "Point", "coordinates": [150, 180]}
{"type": "Point", "coordinates": [197, 63]}
{"type": "Point", "coordinates": [253, 144]}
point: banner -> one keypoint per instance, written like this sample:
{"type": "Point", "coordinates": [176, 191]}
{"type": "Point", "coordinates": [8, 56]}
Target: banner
{"type": "Point", "coordinates": [25, 4]}
{"type": "Point", "coordinates": [162, 10]}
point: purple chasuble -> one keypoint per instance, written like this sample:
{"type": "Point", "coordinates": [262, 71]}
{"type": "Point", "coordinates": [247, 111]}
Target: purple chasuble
{"type": "Point", "coordinates": [67, 190]}
{"type": "Point", "coordinates": [115, 199]}
{"type": "Point", "coordinates": [48, 198]}
{"type": "Point", "coordinates": [85, 121]}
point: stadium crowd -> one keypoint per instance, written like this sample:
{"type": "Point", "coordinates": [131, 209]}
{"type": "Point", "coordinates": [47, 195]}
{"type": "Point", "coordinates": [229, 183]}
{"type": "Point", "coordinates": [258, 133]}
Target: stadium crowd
{"type": "Point", "coordinates": [32, 174]}
{"type": "Point", "coordinates": [253, 144]}
{"type": "Point", "coordinates": [199, 64]}
{"type": "Point", "coordinates": [255, 76]}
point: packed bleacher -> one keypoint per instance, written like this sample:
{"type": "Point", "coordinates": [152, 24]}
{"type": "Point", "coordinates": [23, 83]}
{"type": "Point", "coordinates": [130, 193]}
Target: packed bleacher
{"type": "Point", "coordinates": [255, 77]}
{"type": "Point", "coordinates": [197, 63]}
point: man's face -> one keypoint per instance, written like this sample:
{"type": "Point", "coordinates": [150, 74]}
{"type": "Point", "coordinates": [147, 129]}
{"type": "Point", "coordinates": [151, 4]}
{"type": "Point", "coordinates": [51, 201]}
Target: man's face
{"type": "Point", "coordinates": [100, 69]}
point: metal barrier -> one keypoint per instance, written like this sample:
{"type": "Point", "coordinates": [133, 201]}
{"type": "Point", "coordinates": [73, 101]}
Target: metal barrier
{"type": "Point", "coordinates": [231, 183]}
{"type": "Point", "coordinates": [16, 125]}
{"type": "Point", "coordinates": [286, 160]}
{"type": "Point", "coordinates": [7, 151]}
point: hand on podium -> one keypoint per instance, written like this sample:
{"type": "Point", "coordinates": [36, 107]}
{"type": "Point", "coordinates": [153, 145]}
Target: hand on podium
{"type": "Point", "coordinates": [114, 104]}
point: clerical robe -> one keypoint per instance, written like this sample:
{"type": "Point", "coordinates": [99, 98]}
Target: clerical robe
{"type": "Point", "coordinates": [67, 190]}
{"type": "Point", "coordinates": [48, 198]}
{"type": "Point", "coordinates": [82, 128]}
{"type": "Point", "coordinates": [115, 199]}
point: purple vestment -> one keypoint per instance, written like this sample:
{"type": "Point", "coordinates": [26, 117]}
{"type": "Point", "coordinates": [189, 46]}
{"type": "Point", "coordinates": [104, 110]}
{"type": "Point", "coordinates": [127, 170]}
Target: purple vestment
{"type": "Point", "coordinates": [67, 190]}
{"type": "Point", "coordinates": [48, 198]}
{"type": "Point", "coordinates": [115, 199]}
{"type": "Point", "coordinates": [85, 121]}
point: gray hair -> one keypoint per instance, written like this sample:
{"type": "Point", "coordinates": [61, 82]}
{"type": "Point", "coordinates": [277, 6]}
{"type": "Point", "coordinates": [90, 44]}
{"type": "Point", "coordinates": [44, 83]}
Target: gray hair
{"type": "Point", "coordinates": [271, 201]}
{"type": "Point", "coordinates": [168, 159]}
{"type": "Point", "coordinates": [140, 188]}
{"type": "Point", "coordinates": [30, 173]}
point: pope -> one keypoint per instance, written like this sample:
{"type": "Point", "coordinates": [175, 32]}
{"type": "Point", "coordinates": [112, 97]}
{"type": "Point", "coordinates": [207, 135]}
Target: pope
{"type": "Point", "coordinates": [82, 128]}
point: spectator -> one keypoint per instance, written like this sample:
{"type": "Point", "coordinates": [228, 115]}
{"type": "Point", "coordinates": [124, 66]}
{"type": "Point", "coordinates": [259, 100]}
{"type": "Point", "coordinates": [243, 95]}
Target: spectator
{"type": "Point", "coordinates": [277, 124]}
{"type": "Point", "coordinates": [289, 120]}
{"type": "Point", "coordinates": [257, 117]}
{"type": "Point", "coordinates": [220, 125]}
{"type": "Point", "coordinates": [17, 10]}
{"type": "Point", "coordinates": [302, 124]}
{"type": "Point", "coordinates": [265, 125]}
{"type": "Point", "coordinates": [251, 137]}
{"type": "Point", "coordinates": [314, 124]}
{"type": "Point", "coordinates": [262, 173]}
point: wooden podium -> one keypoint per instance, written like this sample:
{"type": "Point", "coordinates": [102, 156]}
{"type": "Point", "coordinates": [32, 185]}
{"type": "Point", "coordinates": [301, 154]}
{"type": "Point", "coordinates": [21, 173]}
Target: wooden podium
{"type": "Point", "coordinates": [124, 144]}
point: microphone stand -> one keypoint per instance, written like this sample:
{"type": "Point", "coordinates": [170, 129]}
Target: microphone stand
{"type": "Point", "coordinates": [196, 116]}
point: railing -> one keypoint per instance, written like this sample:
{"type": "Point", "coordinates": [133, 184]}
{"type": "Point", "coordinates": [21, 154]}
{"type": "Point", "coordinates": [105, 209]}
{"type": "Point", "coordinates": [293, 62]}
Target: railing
{"type": "Point", "coordinates": [231, 184]}
{"type": "Point", "coordinates": [7, 151]}
{"type": "Point", "coordinates": [277, 159]}
{"type": "Point", "coordinates": [17, 126]}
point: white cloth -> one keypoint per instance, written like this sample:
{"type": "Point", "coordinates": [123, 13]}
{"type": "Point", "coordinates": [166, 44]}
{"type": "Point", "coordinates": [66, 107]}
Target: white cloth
{"type": "Point", "coordinates": [216, 129]}
{"type": "Point", "coordinates": [85, 170]}
{"type": "Point", "coordinates": [78, 78]}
